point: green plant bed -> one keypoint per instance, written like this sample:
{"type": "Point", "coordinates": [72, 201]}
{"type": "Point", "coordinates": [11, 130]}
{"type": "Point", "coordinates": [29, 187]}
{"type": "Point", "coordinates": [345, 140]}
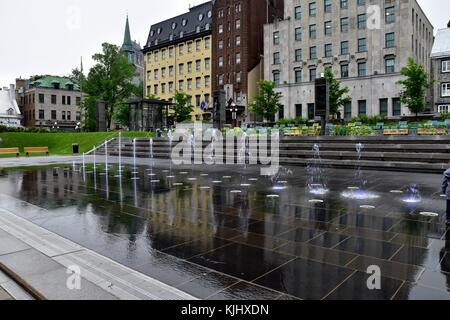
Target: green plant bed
{"type": "Point", "coordinates": [61, 143]}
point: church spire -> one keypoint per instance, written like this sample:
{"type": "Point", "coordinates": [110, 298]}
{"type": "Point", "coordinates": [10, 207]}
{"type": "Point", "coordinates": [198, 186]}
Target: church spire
{"type": "Point", "coordinates": [127, 43]}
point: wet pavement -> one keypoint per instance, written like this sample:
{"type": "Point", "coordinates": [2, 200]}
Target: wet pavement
{"type": "Point", "coordinates": [228, 233]}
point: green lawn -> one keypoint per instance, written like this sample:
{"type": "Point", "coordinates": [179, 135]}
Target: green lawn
{"type": "Point", "coordinates": [61, 143]}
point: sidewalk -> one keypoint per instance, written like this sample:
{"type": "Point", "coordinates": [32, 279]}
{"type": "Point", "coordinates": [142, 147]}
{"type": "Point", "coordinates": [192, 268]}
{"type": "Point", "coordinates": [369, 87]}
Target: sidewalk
{"type": "Point", "coordinates": [42, 260]}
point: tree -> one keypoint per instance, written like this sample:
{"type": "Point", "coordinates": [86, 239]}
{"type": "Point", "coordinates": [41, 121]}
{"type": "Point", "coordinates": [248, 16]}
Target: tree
{"type": "Point", "coordinates": [414, 86]}
{"type": "Point", "coordinates": [182, 107]}
{"type": "Point", "coordinates": [267, 101]}
{"type": "Point", "coordinates": [337, 95]}
{"type": "Point", "coordinates": [110, 80]}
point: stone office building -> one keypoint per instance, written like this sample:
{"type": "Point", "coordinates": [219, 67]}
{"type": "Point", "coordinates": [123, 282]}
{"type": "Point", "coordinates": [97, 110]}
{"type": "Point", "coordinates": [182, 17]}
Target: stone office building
{"type": "Point", "coordinates": [365, 43]}
{"type": "Point", "coordinates": [50, 103]}
{"type": "Point", "coordinates": [441, 70]}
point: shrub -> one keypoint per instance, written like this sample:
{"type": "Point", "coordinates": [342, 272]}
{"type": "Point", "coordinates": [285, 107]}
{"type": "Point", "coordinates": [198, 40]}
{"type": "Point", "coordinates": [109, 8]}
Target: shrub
{"type": "Point", "coordinates": [371, 121]}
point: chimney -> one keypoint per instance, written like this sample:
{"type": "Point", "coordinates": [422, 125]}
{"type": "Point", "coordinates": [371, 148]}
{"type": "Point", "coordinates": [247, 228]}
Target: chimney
{"type": "Point", "coordinates": [12, 92]}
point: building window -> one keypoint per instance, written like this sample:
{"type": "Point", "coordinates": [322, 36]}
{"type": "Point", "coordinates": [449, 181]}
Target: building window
{"type": "Point", "coordinates": [298, 76]}
{"type": "Point", "coordinates": [344, 70]}
{"type": "Point", "coordinates": [312, 31]}
{"type": "Point", "coordinates": [220, 28]}
{"type": "Point", "coordinates": [344, 24]}
{"type": "Point", "coordinates": [78, 101]}
{"type": "Point", "coordinates": [189, 47]}
{"type": "Point", "coordinates": [238, 40]}
{"type": "Point", "coordinates": [444, 108]}
{"type": "Point", "coordinates": [445, 90]}
{"type": "Point", "coordinates": [78, 116]}
{"type": "Point", "coordinates": [221, 80]}
{"type": "Point", "coordinates": [155, 92]}
{"type": "Point", "coordinates": [207, 63]}
{"type": "Point", "coordinates": [389, 65]}
{"type": "Point", "coordinates": [238, 58]}
{"type": "Point", "coordinates": [298, 55]}
{"type": "Point", "coordinates": [446, 66]}
{"type": "Point", "coordinates": [298, 34]}
{"type": "Point", "coordinates": [312, 9]}
{"type": "Point", "coordinates": [189, 84]}
{"type": "Point", "coordinates": [298, 111]}
{"type": "Point", "coordinates": [328, 50]}
{"type": "Point", "coordinates": [361, 21]}
{"type": "Point", "coordinates": [181, 85]}
{"type": "Point", "coordinates": [361, 2]}
{"type": "Point", "coordinates": [328, 28]}
{"type": "Point", "coordinates": [311, 111]}
{"type": "Point", "coordinates": [63, 100]}
{"type": "Point", "coordinates": [276, 38]}
{"type": "Point", "coordinates": [41, 98]}
{"type": "Point", "coordinates": [207, 43]}
{"type": "Point", "coordinates": [238, 77]}
{"type": "Point", "coordinates": [348, 110]}
{"type": "Point", "coordinates": [220, 62]}
{"type": "Point", "coordinates": [390, 40]}
{"type": "Point", "coordinates": [63, 115]}
{"type": "Point", "coordinates": [53, 114]}
{"type": "Point", "coordinates": [390, 14]}
{"type": "Point", "coordinates": [344, 47]}
{"type": "Point", "coordinates": [384, 107]}
{"type": "Point", "coordinates": [276, 58]}
{"type": "Point", "coordinates": [41, 115]}
{"type": "Point", "coordinates": [312, 75]}
{"type": "Point", "coordinates": [276, 77]}
{"type": "Point", "coordinates": [238, 24]}
{"type": "Point", "coordinates": [69, 115]}
{"type": "Point", "coordinates": [362, 107]}
{"type": "Point", "coordinates": [327, 6]}
{"type": "Point", "coordinates": [298, 13]}
{"type": "Point", "coordinates": [396, 107]}
{"type": "Point", "coordinates": [362, 69]}
{"type": "Point", "coordinates": [69, 100]}
{"type": "Point", "coordinates": [344, 4]}
{"type": "Point", "coordinates": [198, 83]}
{"type": "Point", "coordinates": [198, 65]}
{"type": "Point", "coordinates": [362, 45]}
{"type": "Point", "coordinates": [313, 53]}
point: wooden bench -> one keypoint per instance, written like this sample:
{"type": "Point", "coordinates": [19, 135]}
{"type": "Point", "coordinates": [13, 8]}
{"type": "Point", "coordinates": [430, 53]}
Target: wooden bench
{"type": "Point", "coordinates": [9, 151]}
{"type": "Point", "coordinates": [29, 150]}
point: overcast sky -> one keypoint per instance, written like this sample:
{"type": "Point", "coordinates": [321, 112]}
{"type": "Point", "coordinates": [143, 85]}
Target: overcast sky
{"type": "Point", "coordinates": [49, 37]}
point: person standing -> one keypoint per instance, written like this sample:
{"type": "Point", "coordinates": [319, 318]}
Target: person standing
{"type": "Point", "coordinates": [446, 191]}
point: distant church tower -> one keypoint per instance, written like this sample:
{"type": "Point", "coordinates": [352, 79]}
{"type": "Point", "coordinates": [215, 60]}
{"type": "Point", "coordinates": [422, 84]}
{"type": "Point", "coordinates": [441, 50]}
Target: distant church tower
{"type": "Point", "coordinates": [134, 54]}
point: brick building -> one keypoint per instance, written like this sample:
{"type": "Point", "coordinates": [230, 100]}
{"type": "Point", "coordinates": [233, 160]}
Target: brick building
{"type": "Point", "coordinates": [237, 51]}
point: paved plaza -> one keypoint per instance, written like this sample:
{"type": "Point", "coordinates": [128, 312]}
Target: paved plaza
{"type": "Point", "coordinates": [229, 233]}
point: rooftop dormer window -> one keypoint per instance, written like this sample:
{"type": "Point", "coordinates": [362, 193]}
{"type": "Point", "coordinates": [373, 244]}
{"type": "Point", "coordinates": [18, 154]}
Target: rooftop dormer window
{"type": "Point", "coordinates": [200, 17]}
{"type": "Point", "coordinates": [56, 85]}
{"type": "Point", "coordinates": [184, 23]}
{"type": "Point", "coordinates": [174, 26]}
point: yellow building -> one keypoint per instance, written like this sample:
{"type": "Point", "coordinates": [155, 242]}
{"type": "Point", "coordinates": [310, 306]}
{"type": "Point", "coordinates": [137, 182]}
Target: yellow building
{"type": "Point", "coordinates": [178, 58]}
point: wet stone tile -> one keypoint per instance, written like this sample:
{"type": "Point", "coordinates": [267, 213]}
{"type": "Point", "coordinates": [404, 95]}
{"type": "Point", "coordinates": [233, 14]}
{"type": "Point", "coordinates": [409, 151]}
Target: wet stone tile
{"type": "Point", "coordinates": [260, 241]}
{"type": "Point", "coordinates": [328, 240]}
{"type": "Point", "coordinates": [371, 248]}
{"type": "Point", "coordinates": [305, 279]}
{"type": "Point", "coordinates": [389, 269]}
{"type": "Point", "coordinates": [300, 235]}
{"type": "Point", "coordinates": [207, 285]}
{"type": "Point", "coordinates": [197, 247]}
{"type": "Point", "coordinates": [245, 291]}
{"type": "Point", "coordinates": [411, 291]}
{"type": "Point", "coordinates": [308, 251]}
{"type": "Point", "coordinates": [241, 261]}
{"type": "Point", "coordinates": [356, 288]}
{"type": "Point", "coordinates": [418, 256]}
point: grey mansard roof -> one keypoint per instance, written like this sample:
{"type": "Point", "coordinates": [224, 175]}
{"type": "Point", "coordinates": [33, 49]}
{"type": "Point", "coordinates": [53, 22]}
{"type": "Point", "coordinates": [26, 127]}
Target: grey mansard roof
{"type": "Point", "coordinates": [197, 20]}
{"type": "Point", "coordinates": [441, 46]}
